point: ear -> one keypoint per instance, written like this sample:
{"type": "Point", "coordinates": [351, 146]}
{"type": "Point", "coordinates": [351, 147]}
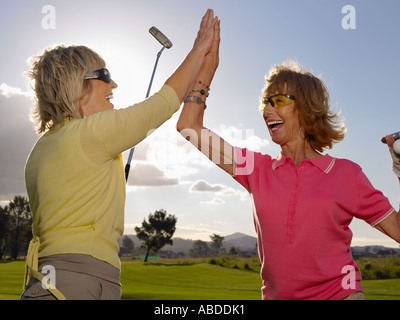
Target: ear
{"type": "Point", "coordinates": [83, 105]}
{"type": "Point", "coordinates": [87, 93]}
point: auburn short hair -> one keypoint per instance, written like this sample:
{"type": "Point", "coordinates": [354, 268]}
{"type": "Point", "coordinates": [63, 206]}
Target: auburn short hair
{"type": "Point", "coordinates": [322, 127]}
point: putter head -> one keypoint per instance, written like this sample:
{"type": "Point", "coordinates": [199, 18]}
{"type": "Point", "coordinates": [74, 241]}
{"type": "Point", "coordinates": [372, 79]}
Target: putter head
{"type": "Point", "coordinates": [161, 38]}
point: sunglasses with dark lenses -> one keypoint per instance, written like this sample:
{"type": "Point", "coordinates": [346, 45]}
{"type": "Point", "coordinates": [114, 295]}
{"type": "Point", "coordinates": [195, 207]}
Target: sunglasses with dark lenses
{"type": "Point", "coordinates": [101, 74]}
{"type": "Point", "coordinates": [277, 101]}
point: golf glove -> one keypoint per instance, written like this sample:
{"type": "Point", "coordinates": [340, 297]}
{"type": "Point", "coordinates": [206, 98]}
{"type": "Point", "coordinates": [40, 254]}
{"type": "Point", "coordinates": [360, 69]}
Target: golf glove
{"type": "Point", "coordinates": [396, 162]}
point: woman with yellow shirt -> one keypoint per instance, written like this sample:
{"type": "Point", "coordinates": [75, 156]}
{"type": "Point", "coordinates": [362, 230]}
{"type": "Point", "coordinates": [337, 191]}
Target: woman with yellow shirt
{"type": "Point", "coordinates": [74, 174]}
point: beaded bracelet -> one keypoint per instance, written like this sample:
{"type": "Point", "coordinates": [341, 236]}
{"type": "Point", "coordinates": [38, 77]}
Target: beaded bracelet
{"type": "Point", "coordinates": [201, 91]}
{"type": "Point", "coordinates": [206, 86]}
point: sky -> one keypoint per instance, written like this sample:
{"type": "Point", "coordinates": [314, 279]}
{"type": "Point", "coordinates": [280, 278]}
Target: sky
{"type": "Point", "coordinates": [355, 51]}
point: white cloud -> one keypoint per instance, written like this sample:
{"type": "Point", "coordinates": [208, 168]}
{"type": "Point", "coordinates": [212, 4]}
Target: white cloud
{"type": "Point", "coordinates": [8, 91]}
{"type": "Point", "coordinates": [202, 186]}
{"type": "Point", "coordinates": [17, 139]}
{"type": "Point", "coordinates": [4, 203]}
{"type": "Point", "coordinates": [387, 242]}
{"type": "Point", "coordinates": [174, 159]}
{"type": "Point", "coordinates": [129, 228]}
{"type": "Point", "coordinates": [166, 147]}
{"type": "Point", "coordinates": [214, 201]}
{"type": "Point", "coordinates": [240, 137]}
{"type": "Point", "coordinates": [145, 174]}
{"type": "Point", "coordinates": [191, 232]}
{"type": "Point", "coordinates": [162, 159]}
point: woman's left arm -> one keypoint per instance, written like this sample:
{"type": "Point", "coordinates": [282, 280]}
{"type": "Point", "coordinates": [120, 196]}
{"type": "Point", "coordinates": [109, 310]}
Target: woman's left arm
{"type": "Point", "coordinates": [391, 225]}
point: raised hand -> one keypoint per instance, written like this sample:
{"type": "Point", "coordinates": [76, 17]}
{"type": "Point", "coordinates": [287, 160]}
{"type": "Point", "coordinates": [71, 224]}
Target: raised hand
{"type": "Point", "coordinates": [211, 60]}
{"type": "Point", "coordinates": [205, 35]}
{"type": "Point", "coordinates": [186, 74]}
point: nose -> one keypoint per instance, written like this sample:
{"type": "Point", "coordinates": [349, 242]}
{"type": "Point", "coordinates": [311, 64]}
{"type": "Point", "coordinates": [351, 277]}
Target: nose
{"type": "Point", "coordinates": [268, 111]}
{"type": "Point", "coordinates": [113, 84]}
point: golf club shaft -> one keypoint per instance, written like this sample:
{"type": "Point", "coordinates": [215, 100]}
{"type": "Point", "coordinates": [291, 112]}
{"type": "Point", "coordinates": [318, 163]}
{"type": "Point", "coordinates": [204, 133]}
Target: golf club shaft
{"type": "Point", "coordinates": [154, 71]}
{"type": "Point", "coordinates": [128, 164]}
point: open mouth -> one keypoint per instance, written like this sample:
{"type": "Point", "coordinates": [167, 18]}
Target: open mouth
{"type": "Point", "coordinates": [109, 97]}
{"type": "Point", "coordinates": [274, 125]}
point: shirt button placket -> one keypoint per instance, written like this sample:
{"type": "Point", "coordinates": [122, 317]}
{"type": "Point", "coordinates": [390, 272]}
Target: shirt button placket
{"type": "Point", "coordinates": [292, 209]}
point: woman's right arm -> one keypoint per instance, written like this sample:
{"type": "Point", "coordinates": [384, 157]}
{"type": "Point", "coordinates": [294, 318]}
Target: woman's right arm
{"type": "Point", "coordinates": [119, 130]}
{"type": "Point", "coordinates": [190, 123]}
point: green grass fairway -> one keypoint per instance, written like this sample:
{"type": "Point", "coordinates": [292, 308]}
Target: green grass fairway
{"type": "Point", "coordinates": [11, 279]}
{"type": "Point", "coordinates": [388, 289]}
{"type": "Point", "coordinates": [196, 282]}
{"type": "Point", "coordinates": [200, 281]}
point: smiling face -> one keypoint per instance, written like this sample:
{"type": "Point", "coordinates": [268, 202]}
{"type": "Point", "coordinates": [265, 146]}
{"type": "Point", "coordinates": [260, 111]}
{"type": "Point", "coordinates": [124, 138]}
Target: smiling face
{"type": "Point", "coordinates": [308, 118]}
{"type": "Point", "coordinates": [98, 98]}
{"type": "Point", "coordinates": [283, 123]}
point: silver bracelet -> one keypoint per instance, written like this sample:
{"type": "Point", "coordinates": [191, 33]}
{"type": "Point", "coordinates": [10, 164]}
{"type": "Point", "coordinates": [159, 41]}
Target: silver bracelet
{"type": "Point", "coordinates": [194, 99]}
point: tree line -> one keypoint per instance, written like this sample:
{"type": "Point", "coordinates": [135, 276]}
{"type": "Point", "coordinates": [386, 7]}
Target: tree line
{"type": "Point", "coordinates": [155, 232]}
{"type": "Point", "coordinates": [158, 231]}
{"type": "Point", "coordinates": [15, 228]}
{"type": "Point", "coordinates": [200, 249]}
{"type": "Point", "coordinates": [215, 248]}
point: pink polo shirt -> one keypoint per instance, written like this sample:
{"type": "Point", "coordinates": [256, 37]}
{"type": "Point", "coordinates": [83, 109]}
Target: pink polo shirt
{"type": "Point", "coordinates": [302, 216]}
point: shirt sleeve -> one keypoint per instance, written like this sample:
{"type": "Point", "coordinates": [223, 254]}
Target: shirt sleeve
{"type": "Point", "coordinates": [121, 129]}
{"type": "Point", "coordinates": [247, 165]}
{"type": "Point", "coordinates": [243, 166]}
{"type": "Point", "coordinates": [372, 206]}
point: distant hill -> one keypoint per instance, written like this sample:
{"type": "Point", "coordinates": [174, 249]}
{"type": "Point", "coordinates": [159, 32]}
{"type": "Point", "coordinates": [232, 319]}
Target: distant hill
{"type": "Point", "coordinates": [374, 252]}
{"type": "Point", "coordinates": [238, 240]}
{"type": "Point", "coordinates": [243, 242]}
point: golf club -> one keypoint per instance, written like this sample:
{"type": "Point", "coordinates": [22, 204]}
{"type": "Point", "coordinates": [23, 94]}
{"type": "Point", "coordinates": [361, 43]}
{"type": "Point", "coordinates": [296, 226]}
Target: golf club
{"type": "Point", "coordinates": [395, 136]}
{"type": "Point", "coordinates": [161, 38]}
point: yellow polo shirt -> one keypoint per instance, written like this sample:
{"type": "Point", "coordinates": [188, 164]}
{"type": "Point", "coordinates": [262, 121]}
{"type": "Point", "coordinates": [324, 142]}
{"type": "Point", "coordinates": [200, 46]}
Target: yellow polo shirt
{"type": "Point", "coordinates": [75, 179]}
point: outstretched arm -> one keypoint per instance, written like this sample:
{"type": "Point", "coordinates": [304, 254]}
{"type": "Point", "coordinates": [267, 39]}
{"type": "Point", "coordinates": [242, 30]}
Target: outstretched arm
{"type": "Point", "coordinates": [391, 225]}
{"type": "Point", "coordinates": [190, 123]}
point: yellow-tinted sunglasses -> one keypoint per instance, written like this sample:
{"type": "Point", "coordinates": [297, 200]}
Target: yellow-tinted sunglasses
{"type": "Point", "coordinates": [277, 101]}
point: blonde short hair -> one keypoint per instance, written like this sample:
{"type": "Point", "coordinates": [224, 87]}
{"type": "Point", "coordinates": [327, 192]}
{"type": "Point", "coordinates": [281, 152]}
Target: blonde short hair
{"type": "Point", "coordinates": [57, 79]}
{"type": "Point", "coordinates": [322, 127]}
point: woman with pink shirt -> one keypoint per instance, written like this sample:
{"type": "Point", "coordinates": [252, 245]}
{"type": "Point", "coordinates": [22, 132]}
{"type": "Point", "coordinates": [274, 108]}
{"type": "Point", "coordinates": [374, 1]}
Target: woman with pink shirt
{"type": "Point", "coordinates": [303, 201]}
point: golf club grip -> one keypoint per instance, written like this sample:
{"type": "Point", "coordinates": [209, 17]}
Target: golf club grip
{"type": "Point", "coordinates": [127, 168]}
{"type": "Point", "coordinates": [395, 136]}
